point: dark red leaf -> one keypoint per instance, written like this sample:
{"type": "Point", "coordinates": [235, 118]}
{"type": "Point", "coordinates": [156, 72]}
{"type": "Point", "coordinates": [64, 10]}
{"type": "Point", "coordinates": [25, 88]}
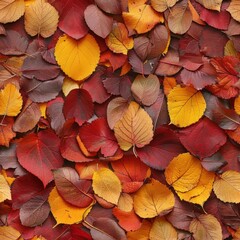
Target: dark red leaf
{"type": "Point", "coordinates": [161, 150]}
{"type": "Point", "coordinates": [78, 105]}
{"type": "Point", "coordinates": [191, 136]}
{"type": "Point", "coordinates": [39, 154]}
{"type": "Point", "coordinates": [98, 136]}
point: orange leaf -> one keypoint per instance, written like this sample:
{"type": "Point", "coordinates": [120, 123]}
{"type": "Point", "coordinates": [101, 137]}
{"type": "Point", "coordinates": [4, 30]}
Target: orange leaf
{"type": "Point", "coordinates": [142, 233]}
{"type": "Point", "coordinates": [142, 18]}
{"type": "Point", "coordinates": [206, 227]}
{"type": "Point", "coordinates": [168, 84]}
{"type": "Point", "coordinates": [195, 15]}
{"type": "Point", "coordinates": [6, 132]}
{"type": "Point", "coordinates": [234, 134]}
{"type": "Point", "coordinates": [162, 5]}
{"type": "Point", "coordinates": [135, 128]}
{"type": "Point", "coordinates": [227, 187]}
{"type": "Point", "coordinates": [118, 40]}
{"type": "Point", "coordinates": [84, 149]}
{"type": "Point", "coordinates": [183, 172]}
{"type": "Point", "coordinates": [153, 199]}
{"type": "Point", "coordinates": [237, 105]}
{"type": "Point", "coordinates": [9, 233]}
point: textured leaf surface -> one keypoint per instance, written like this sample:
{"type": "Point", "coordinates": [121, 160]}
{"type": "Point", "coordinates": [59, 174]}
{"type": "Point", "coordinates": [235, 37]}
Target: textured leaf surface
{"type": "Point", "coordinates": [4, 189]}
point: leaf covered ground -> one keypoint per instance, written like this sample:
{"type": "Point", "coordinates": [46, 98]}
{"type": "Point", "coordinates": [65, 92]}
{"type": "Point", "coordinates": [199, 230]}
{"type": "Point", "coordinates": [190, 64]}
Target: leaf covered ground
{"type": "Point", "coordinates": [119, 119]}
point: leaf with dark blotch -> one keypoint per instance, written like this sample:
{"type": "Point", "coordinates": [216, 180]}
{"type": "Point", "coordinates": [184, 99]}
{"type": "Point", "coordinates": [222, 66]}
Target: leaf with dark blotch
{"type": "Point", "coordinates": [73, 190]}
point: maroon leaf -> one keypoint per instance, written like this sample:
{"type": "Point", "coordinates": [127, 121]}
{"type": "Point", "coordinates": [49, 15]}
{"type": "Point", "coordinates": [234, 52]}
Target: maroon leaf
{"type": "Point", "coordinates": [110, 6]}
{"type": "Point", "coordinates": [214, 163]}
{"type": "Point", "coordinates": [71, 188]}
{"type": "Point", "coordinates": [40, 91]}
{"type": "Point", "coordinates": [98, 136]}
{"type": "Point", "coordinates": [39, 154]}
{"type": "Point", "coordinates": [161, 150]}
{"type": "Point", "coordinates": [13, 43]}
{"type": "Point", "coordinates": [78, 105]}
{"type": "Point", "coordinates": [97, 21]}
{"type": "Point", "coordinates": [191, 136]}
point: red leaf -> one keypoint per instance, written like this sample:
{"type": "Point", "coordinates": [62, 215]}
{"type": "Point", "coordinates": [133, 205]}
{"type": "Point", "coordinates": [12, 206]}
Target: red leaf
{"type": "Point", "coordinates": [98, 136]}
{"type": "Point", "coordinates": [161, 150]}
{"type": "Point", "coordinates": [71, 188]}
{"type": "Point", "coordinates": [71, 19]}
{"type": "Point", "coordinates": [6, 132]}
{"type": "Point", "coordinates": [78, 105]}
{"type": "Point", "coordinates": [191, 136]}
{"type": "Point", "coordinates": [39, 154]}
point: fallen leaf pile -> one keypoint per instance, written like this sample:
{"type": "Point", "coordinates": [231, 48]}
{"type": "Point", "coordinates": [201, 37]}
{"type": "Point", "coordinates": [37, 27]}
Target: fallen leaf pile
{"type": "Point", "coordinates": [119, 119]}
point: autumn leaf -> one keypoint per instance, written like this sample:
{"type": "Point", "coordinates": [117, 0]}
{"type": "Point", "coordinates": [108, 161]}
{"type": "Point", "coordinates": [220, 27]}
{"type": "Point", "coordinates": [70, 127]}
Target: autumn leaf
{"type": "Point", "coordinates": [9, 233]}
{"type": "Point", "coordinates": [63, 212]}
{"type": "Point", "coordinates": [41, 18]}
{"type": "Point", "coordinates": [186, 106]}
{"type": "Point", "coordinates": [237, 105]}
{"type": "Point", "coordinates": [5, 192]}
{"type": "Point", "coordinates": [134, 128]}
{"type": "Point", "coordinates": [234, 9]}
{"type": "Point", "coordinates": [10, 100]}
{"type": "Point", "coordinates": [6, 131]}
{"type": "Point", "coordinates": [227, 187]}
{"type": "Point", "coordinates": [118, 40]}
{"type": "Point", "coordinates": [107, 185]}
{"type": "Point", "coordinates": [142, 233]}
{"type": "Point", "coordinates": [162, 5]}
{"type": "Point", "coordinates": [212, 4]}
{"type": "Point", "coordinates": [77, 58]}
{"type": "Point", "coordinates": [142, 18]}
{"type": "Point", "coordinates": [183, 172]}
{"type": "Point", "coordinates": [11, 10]}
{"type": "Point", "coordinates": [206, 226]}
{"type": "Point", "coordinates": [168, 84]}
{"type": "Point", "coordinates": [153, 199]}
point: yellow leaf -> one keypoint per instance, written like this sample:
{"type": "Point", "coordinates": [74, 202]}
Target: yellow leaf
{"type": "Point", "coordinates": [202, 191]}
{"type": "Point", "coordinates": [234, 9]}
{"type": "Point", "coordinates": [118, 40]}
{"type": "Point", "coordinates": [227, 187]}
{"type": "Point", "coordinates": [153, 199]}
{"type": "Point", "coordinates": [69, 85]}
{"type": "Point", "coordinates": [230, 50]}
{"type": "Point", "coordinates": [237, 105]}
{"type": "Point", "coordinates": [183, 172]}
{"type": "Point", "coordinates": [162, 230]}
{"type": "Point", "coordinates": [162, 5]}
{"type": "Point", "coordinates": [107, 185]}
{"type": "Point", "coordinates": [206, 227]}
{"type": "Point", "coordinates": [11, 11]}
{"type": "Point", "coordinates": [9, 233]}
{"type": "Point", "coordinates": [41, 18]}
{"type": "Point", "coordinates": [142, 233]}
{"type": "Point", "coordinates": [125, 202]}
{"type": "Point", "coordinates": [64, 212]}
{"type": "Point", "coordinates": [10, 101]}
{"type": "Point", "coordinates": [5, 192]}
{"type": "Point", "coordinates": [77, 58]}
{"type": "Point", "coordinates": [186, 106]}
{"type": "Point", "coordinates": [142, 18]}
{"type": "Point", "coordinates": [211, 4]}
{"type": "Point", "coordinates": [38, 238]}
{"type": "Point", "coordinates": [43, 108]}
{"type": "Point", "coordinates": [134, 128]}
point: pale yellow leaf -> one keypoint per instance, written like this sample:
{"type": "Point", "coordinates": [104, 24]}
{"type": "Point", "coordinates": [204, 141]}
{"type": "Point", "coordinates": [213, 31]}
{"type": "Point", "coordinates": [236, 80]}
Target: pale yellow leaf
{"type": "Point", "coordinates": [234, 9]}
{"type": "Point", "coordinates": [69, 85]}
{"type": "Point", "coordinates": [107, 185]}
{"type": "Point", "coordinates": [77, 58]}
{"type": "Point", "coordinates": [9, 233]}
{"type": "Point", "coordinates": [125, 202]}
{"type": "Point", "coordinates": [186, 106]}
{"type": "Point", "coordinates": [41, 18]}
{"type": "Point", "coordinates": [183, 172]}
{"type": "Point", "coordinates": [227, 187]}
{"type": "Point", "coordinates": [211, 4]}
{"type": "Point", "coordinates": [10, 100]}
{"type": "Point", "coordinates": [135, 128]}
{"type": "Point", "coordinates": [5, 192]}
{"type": "Point", "coordinates": [64, 212]}
{"type": "Point", "coordinates": [153, 199]}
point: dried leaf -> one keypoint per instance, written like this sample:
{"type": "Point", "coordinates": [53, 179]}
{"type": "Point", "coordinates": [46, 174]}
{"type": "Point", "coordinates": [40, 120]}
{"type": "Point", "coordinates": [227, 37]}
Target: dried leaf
{"type": "Point", "coordinates": [234, 9]}
{"type": "Point", "coordinates": [162, 5]}
{"type": "Point", "coordinates": [6, 131]}
{"type": "Point", "coordinates": [9, 233]}
{"type": "Point", "coordinates": [5, 192]}
{"type": "Point", "coordinates": [211, 4]}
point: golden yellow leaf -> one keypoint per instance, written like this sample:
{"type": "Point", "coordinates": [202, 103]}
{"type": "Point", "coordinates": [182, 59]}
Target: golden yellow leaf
{"type": "Point", "coordinates": [69, 85]}
{"type": "Point", "coordinates": [230, 50]}
{"type": "Point", "coordinates": [125, 202]}
{"type": "Point", "coordinates": [38, 238]}
{"type": "Point", "coordinates": [9, 233]}
{"type": "Point", "coordinates": [200, 193]}
{"type": "Point", "coordinates": [10, 100]}
{"type": "Point", "coordinates": [142, 18]}
{"type": "Point", "coordinates": [237, 105]}
{"type": "Point", "coordinates": [168, 84]}
{"type": "Point", "coordinates": [107, 185]}
{"type": "Point", "coordinates": [142, 233]}
{"type": "Point", "coordinates": [77, 58]}
{"type": "Point", "coordinates": [11, 11]}
{"type": "Point", "coordinates": [162, 5]}
{"type": "Point", "coordinates": [41, 18]}
{"type": "Point", "coordinates": [206, 227]}
{"type": "Point", "coordinates": [227, 187]}
{"type": "Point", "coordinates": [162, 230]}
{"type": "Point", "coordinates": [118, 40]}
{"type": "Point", "coordinates": [135, 128]}
{"type": "Point", "coordinates": [183, 172]}
{"type": "Point", "coordinates": [43, 108]}
{"type": "Point", "coordinates": [186, 106]}
{"type": "Point", "coordinates": [153, 199]}
{"type": "Point", "coordinates": [64, 212]}
{"type": "Point", "coordinates": [211, 4]}
{"type": "Point", "coordinates": [5, 192]}
{"type": "Point", "coordinates": [234, 9]}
